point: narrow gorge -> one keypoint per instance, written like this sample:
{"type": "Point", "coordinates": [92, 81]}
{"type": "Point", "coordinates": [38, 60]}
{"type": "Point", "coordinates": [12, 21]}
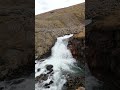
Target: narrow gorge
{"type": "Point", "coordinates": [52, 73]}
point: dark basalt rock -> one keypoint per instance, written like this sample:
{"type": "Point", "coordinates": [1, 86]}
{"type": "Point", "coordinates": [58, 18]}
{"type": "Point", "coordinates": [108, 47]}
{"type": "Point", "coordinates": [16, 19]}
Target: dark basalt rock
{"type": "Point", "coordinates": [16, 38]}
{"type": "Point", "coordinates": [50, 71]}
{"type": "Point", "coordinates": [47, 84]}
{"type": "Point", "coordinates": [51, 82]}
{"type": "Point", "coordinates": [103, 42]}
{"type": "Point", "coordinates": [73, 82]}
{"type": "Point", "coordinates": [41, 77]}
{"type": "Point", "coordinates": [77, 48]}
{"type": "Point", "coordinates": [103, 51]}
{"type": "Point", "coordinates": [49, 67]}
{"type": "Point", "coordinates": [38, 69]}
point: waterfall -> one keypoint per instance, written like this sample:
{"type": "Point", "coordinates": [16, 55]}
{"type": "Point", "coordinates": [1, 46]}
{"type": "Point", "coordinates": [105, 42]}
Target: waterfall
{"type": "Point", "coordinates": [50, 72]}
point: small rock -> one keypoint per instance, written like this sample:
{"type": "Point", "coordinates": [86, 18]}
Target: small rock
{"type": "Point", "coordinates": [46, 85]}
{"type": "Point", "coordinates": [50, 71]}
{"type": "Point", "coordinates": [50, 82]}
{"type": "Point", "coordinates": [41, 77]}
{"type": "Point", "coordinates": [81, 88]}
{"type": "Point", "coordinates": [49, 67]}
{"type": "Point", "coordinates": [38, 69]}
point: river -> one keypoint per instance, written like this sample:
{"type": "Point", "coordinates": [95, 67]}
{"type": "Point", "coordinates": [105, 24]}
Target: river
{"type": "Point", "coordinates": [51, 72]}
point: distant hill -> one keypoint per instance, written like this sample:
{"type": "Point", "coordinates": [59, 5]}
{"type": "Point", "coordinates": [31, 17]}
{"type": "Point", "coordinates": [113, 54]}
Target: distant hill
{"type": "Point", "coordinates": [50, 25]}
{"type": "Point", "coordinates": [61, 18]}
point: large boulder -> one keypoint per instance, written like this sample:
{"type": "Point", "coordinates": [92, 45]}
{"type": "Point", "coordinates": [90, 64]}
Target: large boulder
{"type": "Point", "coordinates": [103, 49]}
{"type": "Point", "coordinates": [96, 8]}
{"type": "Point", "coordinates": [103, 43]}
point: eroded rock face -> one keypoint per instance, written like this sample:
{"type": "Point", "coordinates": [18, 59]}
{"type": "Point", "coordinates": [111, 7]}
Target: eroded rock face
{"type": "Point", "coordinates": [50, 25]}
{"type": "Point", "coordinates": [98, 8]}
{"type": "Point", "coordinates": [103, 50]}
{"type": "Point", "coordinates": [16, 38]}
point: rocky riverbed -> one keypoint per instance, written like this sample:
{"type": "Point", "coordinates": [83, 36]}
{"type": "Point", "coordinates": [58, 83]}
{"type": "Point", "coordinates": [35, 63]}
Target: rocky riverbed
{"type": "Point", "coordinates": [103, 42]}
{"type": "Point", "coordinates": [70, 76]}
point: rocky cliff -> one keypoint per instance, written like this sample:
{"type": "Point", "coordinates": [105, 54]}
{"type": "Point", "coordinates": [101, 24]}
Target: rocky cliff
{"type": "Point", "coordinates": [103, 50]}
{"type": "Point", "coordinates": [103, 42]}
{"type": "Point", "coordinates": [16, 38]}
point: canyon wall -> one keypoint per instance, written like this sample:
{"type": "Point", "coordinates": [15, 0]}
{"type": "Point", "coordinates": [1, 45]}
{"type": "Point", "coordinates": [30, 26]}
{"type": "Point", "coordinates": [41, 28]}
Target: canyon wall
{"type": "Point", "coordinates": [16, 38]}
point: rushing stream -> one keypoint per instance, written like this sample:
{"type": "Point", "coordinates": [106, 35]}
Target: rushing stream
{"type": "Point", "coordinates": [56, 67]}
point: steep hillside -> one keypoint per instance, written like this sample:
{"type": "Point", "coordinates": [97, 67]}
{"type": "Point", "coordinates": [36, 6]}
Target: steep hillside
{"type": "Point", "coordinates": [56, 23]}
{"type": "Point", "coordinates": [103, 42]}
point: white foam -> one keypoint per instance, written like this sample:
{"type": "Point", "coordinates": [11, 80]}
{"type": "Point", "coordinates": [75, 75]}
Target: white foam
{"type": "Point", "coordinates": [61, 59]}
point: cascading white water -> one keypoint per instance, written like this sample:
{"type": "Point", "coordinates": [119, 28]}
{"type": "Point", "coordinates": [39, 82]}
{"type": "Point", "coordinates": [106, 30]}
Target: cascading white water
{"type": "Point", "coordinates": [62, 61]}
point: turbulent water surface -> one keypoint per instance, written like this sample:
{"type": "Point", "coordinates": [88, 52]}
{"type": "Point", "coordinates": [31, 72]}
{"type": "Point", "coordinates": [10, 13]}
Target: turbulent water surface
{"type": "Point", "coordinates": [56, 67]}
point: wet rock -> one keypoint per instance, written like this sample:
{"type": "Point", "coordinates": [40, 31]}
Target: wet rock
{"type": "Point", "coordinates": [44, 76]}
{"type": "Point", "coordinates": [41, 77]}
{"type": "Point", "coordinates": [16, 38]}
{"type": "Point", "coordinates": [49, 67]}
{"type": "Point", "coordinates": [51, 82]}
{"type": "Point", "coordinates": [76, 45]}
{"type": "Point", "coordinates": [77, 48]}
{"type": "Point", "coordinates": [38, 69]}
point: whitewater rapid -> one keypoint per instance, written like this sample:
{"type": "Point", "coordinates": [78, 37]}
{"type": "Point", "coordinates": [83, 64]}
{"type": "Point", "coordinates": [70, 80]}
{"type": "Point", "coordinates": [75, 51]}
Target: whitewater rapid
{"type": "Point", "coordinates": [61, 60]}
